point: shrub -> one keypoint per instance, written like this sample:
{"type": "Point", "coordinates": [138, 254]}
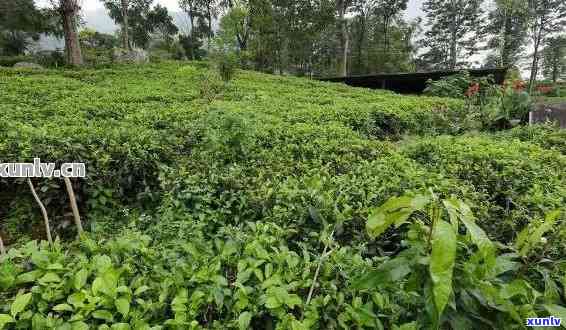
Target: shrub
{"type": "Point", "coordinates": [9, 61]}
{"type": "Point", "coordinates": [455, 86]}
{"type": "Point", "coordinates": [52, 59]}
{"type": "Point", "coordinates": [518, 181]}
{"type": "Point", "coordinates": [226, 64]}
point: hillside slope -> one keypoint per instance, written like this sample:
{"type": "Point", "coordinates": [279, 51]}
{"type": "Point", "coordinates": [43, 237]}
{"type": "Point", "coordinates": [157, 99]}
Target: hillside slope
{"type": "Point", "coordinates": [213, 205]}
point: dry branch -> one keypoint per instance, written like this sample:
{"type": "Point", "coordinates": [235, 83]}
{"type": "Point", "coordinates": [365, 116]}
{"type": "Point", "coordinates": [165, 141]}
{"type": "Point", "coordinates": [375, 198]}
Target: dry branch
{"type": "Point", "coordinates": [73, 201]}
{"type": "Point", "coordinates": [43, 211]}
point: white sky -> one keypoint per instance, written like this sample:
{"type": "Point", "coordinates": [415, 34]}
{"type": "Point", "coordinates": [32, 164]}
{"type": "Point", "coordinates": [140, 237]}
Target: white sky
{"type": "Point", "coordinates": [414, 7]}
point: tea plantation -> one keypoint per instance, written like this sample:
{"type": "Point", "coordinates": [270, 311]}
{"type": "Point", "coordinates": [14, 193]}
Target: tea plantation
{"type": "Point", "coordinates": [273, 203]}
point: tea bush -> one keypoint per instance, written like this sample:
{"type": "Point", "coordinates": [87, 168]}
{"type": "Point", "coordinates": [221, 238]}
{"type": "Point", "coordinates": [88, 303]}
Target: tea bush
{"type": "Point", "coordinates": [520, 181]}
{"type": "Point", "coordinates": [245, 205]}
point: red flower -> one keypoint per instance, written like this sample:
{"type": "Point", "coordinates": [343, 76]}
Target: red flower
{"type": "Point", "coordinates": [472, 90]}
{"type": "Point", "coordinates": [544, 89]}
{"type": "Point", "coordinates": [519, 85]}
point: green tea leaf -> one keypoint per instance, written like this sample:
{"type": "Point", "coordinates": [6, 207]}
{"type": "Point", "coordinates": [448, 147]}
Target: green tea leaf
{"type": "Point", "coordinates": [103, 315]}
{"type": "Point", "coordinates": [50, 278]}
{"type": "Point", "coordinates": [79, 325]}
{"type": "Point", "coordinates": [389, 271]}
{"type": "Point", "coordinates": [5, 319]}
{"type": "Point", "coordinates": [244, 320]}
{"type": "Point", "coordinates": [395, 211]}
{"type": "Point", "coordinates": [443, 257]}
{"type": "Point", "coordinates": [62, 307]}
{"type": "Point", "coordinates": [77, 299]}
{"type": "Point", "coordinates": [141, 290]}
{"type": "Point", "coordinates": [120, 326]}
{"type": "Point", "coordinates": [80, 279]}
{"type": "Point", "coordinates": [531, 236]}
{"type": "Point", "coordinates": [458, 210]}
{"type": "Point", "coordinates": [29, 277]}
{"type": "Point", "coordinates": [123, 306]}
{"type": "Point", "coordinates": [20, 303]}
{"type": "Point", "coordinates": [557, 311]}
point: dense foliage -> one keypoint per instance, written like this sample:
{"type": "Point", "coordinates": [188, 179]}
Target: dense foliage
{"type": "Point", "coordinates": [273, 202]}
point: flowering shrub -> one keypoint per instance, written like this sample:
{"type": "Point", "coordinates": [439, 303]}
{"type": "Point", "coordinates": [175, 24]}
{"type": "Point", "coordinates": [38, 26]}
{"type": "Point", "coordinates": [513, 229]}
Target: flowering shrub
{"type": "Point", "coordinates": [473, 90]}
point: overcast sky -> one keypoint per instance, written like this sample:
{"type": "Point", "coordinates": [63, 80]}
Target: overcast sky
{"type": "Point", "coordinates": [414, 8]}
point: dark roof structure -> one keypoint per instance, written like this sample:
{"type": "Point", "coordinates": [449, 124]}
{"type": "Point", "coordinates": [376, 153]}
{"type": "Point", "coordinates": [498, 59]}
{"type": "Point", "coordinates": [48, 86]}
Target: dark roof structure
{"type": "Point", "coordinates": [411, 83]}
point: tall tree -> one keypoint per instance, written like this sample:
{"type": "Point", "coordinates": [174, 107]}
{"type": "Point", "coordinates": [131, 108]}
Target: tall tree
{"type": "Point", "coordinates": [507, 27]}
{"type": "Point", "coordinates": [68, 11]}
{"type": "Point", "coordinates": [159, 21]}
{"type": "Point", "coordinates": [139, 20]}
{"type": "Point", "coordinates": [554, 57]}
{"type": "Point", "coordinates": [237, 22]}
{"type": "Point", "coordinates": [124, 4]}
{"type": "Point", "coordinates": [342, 8]}
{"type": "Point", "coordinates": [454, 31]}
{"type": "Point", "coordinates": [545, 18]}
{"type": "Point", "coordinates": [192, 9]}
{"type": "Point", "coordinates": [363, 11]}
{"type": "Point", "coordinates": [119, 12]}
{"type": "Point", "coordinates": [387, 10]}
{"type": "Point", "coordinates": [210, 10]}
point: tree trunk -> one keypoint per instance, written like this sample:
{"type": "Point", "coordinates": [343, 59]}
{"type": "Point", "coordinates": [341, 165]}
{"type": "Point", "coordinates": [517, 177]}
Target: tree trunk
{"type": "Point", "coordinates": [386, 34]}
{"type": "Point", "coordinates": [125, 25]}
{"type": "Point", "coordinates": [534, 64]}
{"type": "Point", "coordinates": [342, 37]}
{"type": "Point", "coordinates": [68, 10]}
{"type": "Point", "coordinates": [453, 46]}
{"type": "Point", "coordinates": [361, 38]}
{"type": "Point", "coordinates": [505, 53]}
{"type": "Point", "coordinates": [2, 248]}
{"type": "Point", "coordinates": [345, 56]}
{"type": "Point", "coordinates": [209, 32]}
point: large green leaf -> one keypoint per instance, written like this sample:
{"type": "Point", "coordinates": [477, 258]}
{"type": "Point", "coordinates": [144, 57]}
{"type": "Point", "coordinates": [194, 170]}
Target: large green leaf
{"type": "Point", "coordinates": [5, 319]}
{"type": "Point", "coordinates": [443, 257]}
{"type": "Point", "coordinates": [123, 306]}
{"type": "Point", "coordinates": [79, 325]}
{"type": "Point", "coordinates": [395, 211]}
{"type": "Point", "coordinates": [20, 303]}
{"type": "Point", "coordinates": [389, 271]}
{"type": "Point", "coordinates": [557, 311]}
{"type": "Point", "coordinates": [50, 278]}
{"type": "Point", "coordinates": [63, 307]}
{"type": "Point", "coordinates": [531, 236]}
{"type": "Point", "coordinates": [458, 210]}
{"type": "Point", "coordinates": [80, 279]}
{"type": "Point", "coordinates": [103, 315]}
{"type": "Point", "coordinates": [244, 320]}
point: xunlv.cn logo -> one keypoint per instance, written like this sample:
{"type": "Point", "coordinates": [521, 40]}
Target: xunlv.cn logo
{"type": "Point", "coordinates": [544, 321]}
{"type": "Point", "coordinates": [38, 169]}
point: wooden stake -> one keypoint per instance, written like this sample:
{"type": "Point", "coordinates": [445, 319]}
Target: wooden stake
{"type": "Point", "coordinates": [74, 207]}
{"type": "Point", "coordinates": [43, 211]}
